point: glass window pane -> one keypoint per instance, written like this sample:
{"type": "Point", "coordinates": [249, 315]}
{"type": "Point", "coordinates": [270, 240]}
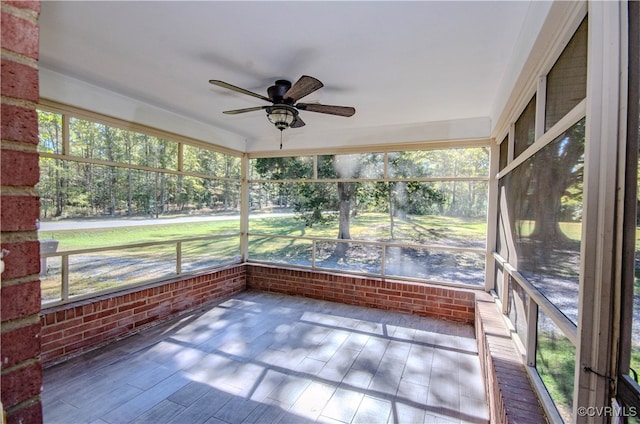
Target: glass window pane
{"type": "Point", "coordinates": [446, 163]}
{"type": "Point", "coordinates": [435, 265]}
{"type": "Point", "coordinates": [499, 275]}
{"type": "Point", "coordinates": [525, 129]}
{"type": "Point", "coordinates": [205, 196]}
{"type": "Point", "coordinates": [51, 278]}
{"type": "Point", "coordinates": [281, 250]}
{"type": "Point", "coordinates": [209, 162]}
{"type": "Point", "coordinates": [111, 269]}
{"type": "Point", "coordinates": [450, 213]}
{"type": "Point", "coordinates": [567, 80]}
{"type": "Point", "coordinates": [77, 190]}
{"type": "Point", "coordinates": [517, 309]}
{"type": "Point", "coordinates": [504, 229]}
{"type": "Point", "coordinates": [202, 254]}
{"type": "Point", "coordinates": [363, 165]}
{"type": "Point", "coordinates": [92, 140]}
{"type": "Point", "coordinates": [49, 132]}
{"type": "Point", "coordinates": [504, 154]}
{"type": "Point", "coordinates": [544, 207]}
{"type": "Point", "coordinates": [273, 197]}
{"type": "Point", "coordinates": [555, 362]}
{"type": "Point", "coordinates": [284, 168]}
{"type": "Point", "coordinates": [348, 256]}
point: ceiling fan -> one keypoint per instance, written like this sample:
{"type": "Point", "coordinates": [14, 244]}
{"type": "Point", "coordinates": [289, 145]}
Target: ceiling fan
{"type": "Point", "coordinates": [284, 111]}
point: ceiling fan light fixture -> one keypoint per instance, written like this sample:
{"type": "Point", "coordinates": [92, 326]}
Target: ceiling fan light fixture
{"type": "Point", "coordinates": [281, 116]}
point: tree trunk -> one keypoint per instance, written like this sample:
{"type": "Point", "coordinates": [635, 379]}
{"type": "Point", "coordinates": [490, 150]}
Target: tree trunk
{"type": "Point", "coordinates": [345, 195]}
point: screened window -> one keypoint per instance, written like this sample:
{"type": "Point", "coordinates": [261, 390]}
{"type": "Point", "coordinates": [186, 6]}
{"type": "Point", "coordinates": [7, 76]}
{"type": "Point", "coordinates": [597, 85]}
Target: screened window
{"type": "Point", "coordinates": [116, 211]}
{"type": "Point", "coordinates": [525, 129]}
{"type": "Point", "coordinates": [539, 227]}
{"type": "Point", "coordinates": [504, 154]}
{"type": "Point", "coordinates": [567, 80]}
{"type": "Point", "coordinates": [544, 201]}
{"type": "Point", "coordinates": [426, 220]}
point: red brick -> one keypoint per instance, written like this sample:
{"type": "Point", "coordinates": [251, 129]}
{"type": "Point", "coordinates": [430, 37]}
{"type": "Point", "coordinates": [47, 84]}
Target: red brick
{"type": "Point", "coordinates": [20, 300]}
{"type": "Point", "coordinates": [30, 412]}
{"type": "Point", "coordinates": [20, 384]}
{"type": "Point", "coordinates": [19, 345]}
{"type": "Point", "coordinates": [19, 81]}
{"type": "Point", "coordinates": [23, 259]}
{"type": "Point", "coordinates": [63, 324]}
{"type": "Point", "coordinates": [19, 213]}
{"type": "Point", "coordinates": [19, 168]}
{"type": "Point", "coordinates": [93, 331]}
{"type": "Point", "coordinates": [62, 342]}
{"type": "Point", "coordinates": [18, 123]}
{"type": "Point", "coordinates": [26, 4]}
{"type": "Point", "coordinates": [131, 306]}
{"type": "Point", "coordinates": [51, 354]}
{"type": "Point", "coordinates": [19, 35]}
{"type": "Point", "coordinates": [49, 337]}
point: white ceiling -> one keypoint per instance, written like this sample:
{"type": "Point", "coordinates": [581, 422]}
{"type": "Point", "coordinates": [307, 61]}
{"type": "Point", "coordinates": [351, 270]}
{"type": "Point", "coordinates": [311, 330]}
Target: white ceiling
{"type": "Point", "coordinates": [402, 65]}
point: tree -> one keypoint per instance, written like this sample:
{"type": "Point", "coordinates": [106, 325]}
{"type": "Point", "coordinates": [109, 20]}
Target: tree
{"type": "Point", "coordinates": [70, 188]}
{"type": "Point", "coordinates": [556, 172]}
{"type": "Point", "coordinates": [314, 202]}
{"type": "Point", "coordinates": [339, 198]}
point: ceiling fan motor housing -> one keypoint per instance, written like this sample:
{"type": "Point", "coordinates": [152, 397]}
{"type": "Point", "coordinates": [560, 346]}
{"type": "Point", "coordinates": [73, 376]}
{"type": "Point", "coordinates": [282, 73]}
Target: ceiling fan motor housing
{"type": "Point", "coordinates": [276, 92]}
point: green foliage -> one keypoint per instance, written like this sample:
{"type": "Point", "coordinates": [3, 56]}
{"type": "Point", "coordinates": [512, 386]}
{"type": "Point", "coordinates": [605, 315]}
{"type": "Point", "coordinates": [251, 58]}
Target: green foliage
{"type": "Point", "coordinates": [319, 203]}
{"type": "Point", "coordinates": [315, 203]}
{"type": "Point", "coordinates": [555, 362]}
{"type": "Point", "coordinates": [283, 168]}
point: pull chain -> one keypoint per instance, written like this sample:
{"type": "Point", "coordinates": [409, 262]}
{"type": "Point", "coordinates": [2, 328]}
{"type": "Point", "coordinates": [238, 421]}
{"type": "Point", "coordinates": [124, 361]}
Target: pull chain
{"type": "Point", "coordinates": [280, 139]}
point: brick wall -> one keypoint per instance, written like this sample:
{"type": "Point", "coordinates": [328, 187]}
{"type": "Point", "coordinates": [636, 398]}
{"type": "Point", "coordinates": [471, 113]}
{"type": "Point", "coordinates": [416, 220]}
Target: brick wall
{"type": "Point", "coordinates": [510, 395]}
{"type": "Point", "coordinates": [72, 329]}
{"type": "Point", "coordinates": [21, 370]}
{"type": "Point", "coordinates": [414, 298]}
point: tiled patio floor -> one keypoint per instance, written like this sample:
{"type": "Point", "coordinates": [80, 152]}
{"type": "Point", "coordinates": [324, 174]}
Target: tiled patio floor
{"type": "Point", "coordinates": [264, 358]}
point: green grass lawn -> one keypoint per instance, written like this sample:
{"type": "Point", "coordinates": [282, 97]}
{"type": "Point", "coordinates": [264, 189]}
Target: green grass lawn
{"type": "Point", "coordinates": [555, 362]}
{"type": "Point", "coordinates": [369, 226]}
{"type": "Point", "coordinates": [573, 230]}
{"type": "Point", "coordinates": [376, 227]}
{"type": "Point", "coordinates": [103, 237]}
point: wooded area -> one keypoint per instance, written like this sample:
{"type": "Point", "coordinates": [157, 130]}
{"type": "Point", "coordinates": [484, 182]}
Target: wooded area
{"type": "Point", "coordinates": [115, 172]}
{"type": "Point", "coordinates": [399, 195]}
{"type": "Point", "coordinates": [72, 189]}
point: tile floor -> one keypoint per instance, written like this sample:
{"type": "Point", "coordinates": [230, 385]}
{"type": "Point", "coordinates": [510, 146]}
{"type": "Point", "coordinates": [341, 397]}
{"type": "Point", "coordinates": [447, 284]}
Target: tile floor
{"type": "Point", "coordinates": [264, 358]}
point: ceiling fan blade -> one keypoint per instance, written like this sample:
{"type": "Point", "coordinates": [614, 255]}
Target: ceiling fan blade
{"type": "Point", "coordinates": [298, 123]}
{"type": "Point", "coordinates": [304, 86]}
{"type": "Point", "coordinates": [246, 109]}
{"type": "Point", "coordinates": [329, 109]}
{"type": "Point", "coordinates": [238, 89]}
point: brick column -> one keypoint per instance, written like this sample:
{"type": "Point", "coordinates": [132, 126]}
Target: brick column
{"type": "Point", "coordinates": [20, 369]}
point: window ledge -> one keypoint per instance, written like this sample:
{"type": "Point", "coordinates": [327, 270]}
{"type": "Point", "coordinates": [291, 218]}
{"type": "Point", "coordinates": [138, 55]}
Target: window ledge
{"type": "Point", "coordinates": [509, 392]}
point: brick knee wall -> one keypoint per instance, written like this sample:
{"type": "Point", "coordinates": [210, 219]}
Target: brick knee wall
{"type": "Point", "coordinates": [414, 298]}
{"type": "Point", "coordinates": [71, 329]}
{"type": "Point", "coordinates": [20, 369]}
{"type": "Point", "coordinates": [509, 392]}
{"type": "Point", "coordinates": [74, 328]}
